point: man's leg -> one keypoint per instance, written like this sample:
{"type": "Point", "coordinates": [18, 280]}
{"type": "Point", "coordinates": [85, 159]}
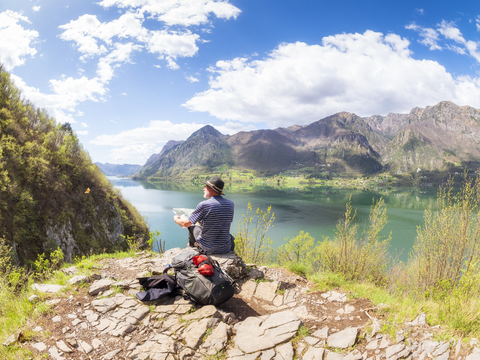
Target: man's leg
{"type": "Point", "coordinates": [194, 232]}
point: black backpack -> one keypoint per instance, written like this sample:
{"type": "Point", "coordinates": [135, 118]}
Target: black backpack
{"type": "Point", "coordinates": [157, 287]}
{"type": "Point", "coordinates": [212, 289]}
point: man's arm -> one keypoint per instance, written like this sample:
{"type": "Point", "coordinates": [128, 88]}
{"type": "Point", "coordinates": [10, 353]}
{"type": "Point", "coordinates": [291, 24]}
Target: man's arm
{"type": "Point", "coordinates": [182, 222]}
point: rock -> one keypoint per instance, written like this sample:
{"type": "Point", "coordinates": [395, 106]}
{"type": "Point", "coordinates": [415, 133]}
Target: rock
{"type": "Point", "coordinates": [57, 319]}
{"type": "Point", "coordinates": [392, 350]}
{"type": "Point", "coordinates": [441, 349]}
{"type": "Point", "coordinates": [285, 351]}
{"type": "Point", "coordinates": [473, 356]}
{"type": "Point", "coordinates": [372, 345]}
{"type": "Point", "coordinates": [72, 270]}
{"type": "Point", "coordinates": [376, 326]}
{"type": "Point", "coordinates": [140, 313]}
{"type": "Point", "coordinates": [33, 298]}
{"type": "Point", "coordinates": [254, 274]}
{"type": "Point", "coordinates": [255, 334]}
{"type": "Point", "coordinates": [334, 356]}
{"type": "Point", "coordinates": [314, 354]}
{"type": "Point", "coordinates": [266, 291]}
{"type": "Point", "coordinates": [217, 340]}
{"type": "Point", "coordinates": [111, 355]}
{"type": "Point", "coordinates": [79, 279]}
{"type": "Point", "coordinates": [343, 339]}
{"type": "Point", "coordinates": [247, 290]}
{"type": "Point", "coordinates": [39, 346]}
{"type": "Point", "coordinates": [334, 296]}
{"type": "Point", "coordinates": [54, 354]}
{"type": "Point", "coordinates": [104, 305]}
{"type": "Point", "coordinates": [419, 320]}
{"type": "Point", "coordinates": [385, 342]}
{"type": "Point", "coordinates": [312, 341]}
{"type": "Point", "coordinates": [268, 355]}
{"type": "Point", "coordinates": [85, 347]}
{"type": "Point", "coordinates": [100, 286]}
{"type": "Point", "coordinates": [97, 344]}
{"type": "Point", "coordinates": [444, 356]}
{"type": "Point", "coordinates": [203, 312]}
{"type": "Point", "coordinates": [63, 347]}
{"type": "Point", "coordinates": [322, 333]}
{"type": "Point", "coordinates": [47, 288]}
{"type": "Point", "coordinates": [194, 333]}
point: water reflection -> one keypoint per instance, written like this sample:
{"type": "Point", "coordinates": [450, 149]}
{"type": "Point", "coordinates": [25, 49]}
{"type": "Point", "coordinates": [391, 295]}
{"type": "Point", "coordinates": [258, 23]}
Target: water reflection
{"type": "Point", "coordinates": [316, 210]}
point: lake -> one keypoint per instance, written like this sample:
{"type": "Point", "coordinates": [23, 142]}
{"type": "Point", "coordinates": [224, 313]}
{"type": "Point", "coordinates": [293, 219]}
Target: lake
{"type": "Point", "coordinates": [316, 212]}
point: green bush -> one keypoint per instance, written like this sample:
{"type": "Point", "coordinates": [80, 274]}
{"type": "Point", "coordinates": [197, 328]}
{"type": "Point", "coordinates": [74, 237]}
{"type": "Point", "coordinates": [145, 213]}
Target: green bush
{"type": "Point", "coordinates": [252, 244]}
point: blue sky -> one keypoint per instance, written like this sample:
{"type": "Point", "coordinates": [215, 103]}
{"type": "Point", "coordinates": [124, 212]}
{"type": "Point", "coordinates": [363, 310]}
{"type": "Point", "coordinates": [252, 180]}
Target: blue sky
{"type": "Point", "coordinates": [129, 75]}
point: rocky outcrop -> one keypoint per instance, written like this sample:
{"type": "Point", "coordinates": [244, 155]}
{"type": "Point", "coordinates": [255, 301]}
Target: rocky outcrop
{"type": "Point", "coordinates": [276, 318]}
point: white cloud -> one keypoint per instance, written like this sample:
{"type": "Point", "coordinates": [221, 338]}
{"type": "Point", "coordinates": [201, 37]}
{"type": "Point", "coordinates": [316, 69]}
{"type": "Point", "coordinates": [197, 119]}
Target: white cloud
{"type": "Point", "coordinates": [179, 12]}
{"type": "Point", "coordinates": [157, 131]}
{"type": "Point", "coordinates": [420, 11]}
{"type": "Point", "coordinates": [191, 79]}
{"type": "Point", "coordinates": [140, 143]}
{"type": "Point", "coordinates": [66, 94]}
{"type": "Point", "coordinates": [82, 132]}
{"type": "Point", "coordinates": [429, 36]}
{"type": "Point", "coordinates": [16, 42]}
{"type": "Point", "coordinates": [365, 73]}
{"type": "Point", "coordinates": [139, 153]}
{"type": "Point", "coordinates": [36, 8]}
{"type": "Point", "coordinates": [477, 20]}
{"type": "Point", "coordinates": [84, 125]}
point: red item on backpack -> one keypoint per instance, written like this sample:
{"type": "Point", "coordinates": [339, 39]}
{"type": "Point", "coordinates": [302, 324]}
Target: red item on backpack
{"type": "Point", "coordinates": [197, 260]}
{"type": "Point", "coordinates": [206, 270]}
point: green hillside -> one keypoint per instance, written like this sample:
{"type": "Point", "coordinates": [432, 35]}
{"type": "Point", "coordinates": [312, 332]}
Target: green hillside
{"type": "Point", "coordinates": [51, 194]}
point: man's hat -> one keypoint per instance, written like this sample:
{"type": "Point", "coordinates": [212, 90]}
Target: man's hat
{"type": "Point", "coordinates": [216, 184]}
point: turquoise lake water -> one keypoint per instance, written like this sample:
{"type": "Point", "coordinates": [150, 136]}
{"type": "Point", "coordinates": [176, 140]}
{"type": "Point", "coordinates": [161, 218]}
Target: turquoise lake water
{"type": "Point", "coordinates": [315, 212]}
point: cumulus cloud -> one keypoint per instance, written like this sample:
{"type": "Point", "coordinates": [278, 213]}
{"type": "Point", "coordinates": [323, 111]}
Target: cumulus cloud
{"type": "Point", "coordinates": [17, 42]}
{"type": "Point", "coordinates": [367, 74]}
{"type": "Point", "coordinates": [179, 12]}
{"type": "Point", "coordinates": [82, 132]}
{"type": "Point", "coordinates": [66, 94]}
{"type": "Point", "coordinates": [191, 79]}
{"type": "Point", "coordinates": [84, 125]}
{"type": "Point", "coordinates": [156, 131]}
{"type": "Point", "coordinates": [139, 143]}
{"type": "Point", "coordinates": [430, 38]}
{"type": "Point", "coordinates": [36, 8]}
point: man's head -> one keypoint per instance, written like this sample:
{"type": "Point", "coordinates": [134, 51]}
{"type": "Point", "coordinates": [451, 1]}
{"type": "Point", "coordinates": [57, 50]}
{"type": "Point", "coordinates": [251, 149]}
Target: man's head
{"type": "Point", "coordinates": [213, 187]}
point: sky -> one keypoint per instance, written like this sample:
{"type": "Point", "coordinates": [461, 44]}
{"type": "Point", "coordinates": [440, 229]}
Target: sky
{"type": "Point", "coordinates": [129, 75]}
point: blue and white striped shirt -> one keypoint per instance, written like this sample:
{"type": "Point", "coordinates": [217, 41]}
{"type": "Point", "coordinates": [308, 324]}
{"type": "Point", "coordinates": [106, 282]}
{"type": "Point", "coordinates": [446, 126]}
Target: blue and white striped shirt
{"type": "Point", "coordinates": [216, 216]}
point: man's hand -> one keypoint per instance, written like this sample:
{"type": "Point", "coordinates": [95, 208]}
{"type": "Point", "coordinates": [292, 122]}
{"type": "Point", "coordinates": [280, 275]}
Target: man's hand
{"type": "Point", "coordinates": [182, 222]}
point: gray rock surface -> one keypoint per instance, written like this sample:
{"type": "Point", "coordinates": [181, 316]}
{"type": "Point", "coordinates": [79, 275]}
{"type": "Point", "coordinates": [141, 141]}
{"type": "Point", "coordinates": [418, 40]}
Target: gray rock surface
{"type": "Point", "coordinates": [343, 339]}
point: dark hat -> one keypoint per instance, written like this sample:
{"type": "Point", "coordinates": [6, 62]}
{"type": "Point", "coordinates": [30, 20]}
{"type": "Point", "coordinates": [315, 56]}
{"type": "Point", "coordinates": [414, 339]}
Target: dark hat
{"type": "Point", "coordinates": [216, 184]}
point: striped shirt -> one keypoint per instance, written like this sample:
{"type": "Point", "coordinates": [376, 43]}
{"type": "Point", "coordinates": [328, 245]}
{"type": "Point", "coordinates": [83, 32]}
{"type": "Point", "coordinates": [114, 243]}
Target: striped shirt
{"type": "Point", "coordinates": [215, 215]}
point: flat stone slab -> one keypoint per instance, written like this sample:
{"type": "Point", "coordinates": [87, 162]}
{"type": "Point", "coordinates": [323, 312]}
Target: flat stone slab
{"type": "Point", "coordinates": [104, 305]}
{"type": "Point", "coordinates": [314, 354]}
{"type": "Point", "coordinates": [343, 339]}
{"type": "Point", "coordinates": [266, 291]}
{"type": "Point", "coordinates": [100, 286]}
{"type": "Point", "coordinates": [203, 312]}
{"type": "Point", "coordinates": [255, 334]}
{"type": "Point", "coordinates": [77, 280]}
{"type": "Point", "coordinates": [47, 288]}
{"type": "Point", "coordinates": [334, 296]}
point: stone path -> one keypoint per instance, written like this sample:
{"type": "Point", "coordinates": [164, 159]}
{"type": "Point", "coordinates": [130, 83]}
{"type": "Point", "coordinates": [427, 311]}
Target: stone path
{"type": "Point", "coordinates": [103, 320]}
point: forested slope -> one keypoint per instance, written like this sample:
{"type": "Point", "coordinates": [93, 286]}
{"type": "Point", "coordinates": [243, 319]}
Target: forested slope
{"type": "Point", "coordinates": [51, 194]}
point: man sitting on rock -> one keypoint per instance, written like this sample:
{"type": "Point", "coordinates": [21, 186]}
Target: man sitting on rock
{"type": "Point", "coordinates": [215, 216]}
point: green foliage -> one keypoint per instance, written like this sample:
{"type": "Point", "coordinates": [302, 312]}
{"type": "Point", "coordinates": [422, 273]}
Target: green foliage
{"type": "Point", "coordinates": [49, 185]}
{"type": "Point", "coordinates": [357, 257]}
{"type": "Point", "coordinates": [45, 266]}
{"type": "Point", "coordinates": [252, 244]}
{"type": "Point", "coordinates": [155, 243]}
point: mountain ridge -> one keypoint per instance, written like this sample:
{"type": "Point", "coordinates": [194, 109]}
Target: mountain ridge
{"type": "Point", "coordinates": [429, 138]}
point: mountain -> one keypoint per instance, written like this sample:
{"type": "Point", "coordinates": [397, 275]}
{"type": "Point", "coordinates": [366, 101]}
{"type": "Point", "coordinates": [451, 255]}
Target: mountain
{"type": "Point", "coordinates": [118, 170]}
{"type": "Point", "coordinates": [432, 138]}
{"type": "Point", "coordinates": [51, 194]}
{"type": "Point", "coordinates": [166, 147]}
{"type": "Point", "coordinates": [204, 150]}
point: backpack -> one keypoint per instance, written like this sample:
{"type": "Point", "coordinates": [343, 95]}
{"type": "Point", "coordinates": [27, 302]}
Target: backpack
{"type": "Point", "coordinates": [157, 287]}
{"type": "Point", "coordinates": [214, 287]}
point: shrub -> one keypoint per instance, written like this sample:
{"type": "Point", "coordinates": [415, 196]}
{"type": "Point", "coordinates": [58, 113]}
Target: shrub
{"type": "Point", "coordinates": [365, 257]}
{"type": "Point", "coordinates": [252, 244]}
